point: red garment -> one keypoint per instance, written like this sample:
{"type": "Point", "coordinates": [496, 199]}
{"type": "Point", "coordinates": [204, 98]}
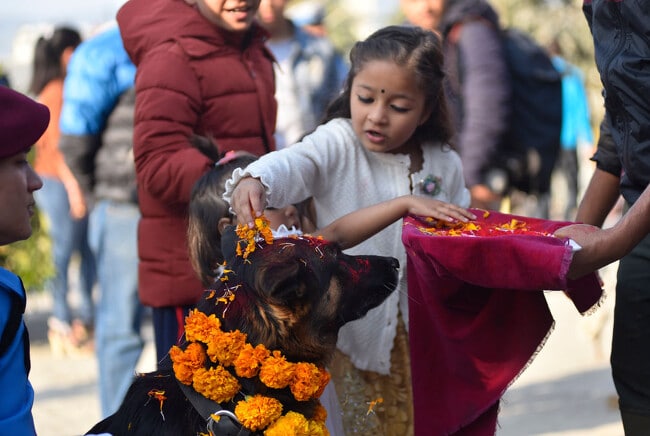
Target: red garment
{"type": "Point", "coordinates": [477, 317]}
{"type": "Point", "coordinates": [193, 77]}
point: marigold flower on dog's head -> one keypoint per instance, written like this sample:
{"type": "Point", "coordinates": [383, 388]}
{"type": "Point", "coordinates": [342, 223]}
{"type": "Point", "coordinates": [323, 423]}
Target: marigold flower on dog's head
{"type": "Point", "coordinates": [250, 237]}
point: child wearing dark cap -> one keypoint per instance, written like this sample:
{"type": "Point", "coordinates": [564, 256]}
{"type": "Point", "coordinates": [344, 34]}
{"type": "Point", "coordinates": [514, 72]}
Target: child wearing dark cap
{"type": "Point", "coordinates": [22, 122]}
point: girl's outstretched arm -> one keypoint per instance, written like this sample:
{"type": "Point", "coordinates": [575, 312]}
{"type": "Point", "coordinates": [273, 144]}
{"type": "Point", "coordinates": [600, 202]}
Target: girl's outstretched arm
{"type": "Point", "coordinates": [357, 226]}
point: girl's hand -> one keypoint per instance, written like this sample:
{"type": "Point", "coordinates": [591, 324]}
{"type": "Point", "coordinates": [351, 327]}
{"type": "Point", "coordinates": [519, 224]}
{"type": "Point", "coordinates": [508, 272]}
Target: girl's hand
{"type": "Point", "coordinates": [424, 206]}
{"type": "Point", "coordinates": [248, 200]}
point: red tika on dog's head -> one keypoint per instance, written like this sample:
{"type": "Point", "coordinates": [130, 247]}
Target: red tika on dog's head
{"type": "Point", "coordinates": [292, 295]}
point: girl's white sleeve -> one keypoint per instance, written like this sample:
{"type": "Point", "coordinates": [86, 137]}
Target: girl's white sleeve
{"type": "Point", "coordinates": [296, 172]}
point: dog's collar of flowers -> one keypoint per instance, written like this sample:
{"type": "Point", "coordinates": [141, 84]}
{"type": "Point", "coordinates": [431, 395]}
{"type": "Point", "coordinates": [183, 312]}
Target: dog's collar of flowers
{"type": "Point", "coordinates": [230, 349]}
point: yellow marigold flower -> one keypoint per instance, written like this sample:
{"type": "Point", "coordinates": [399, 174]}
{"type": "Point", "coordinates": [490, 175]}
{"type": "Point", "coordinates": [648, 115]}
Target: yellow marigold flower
{"type": "Point", "coordinates": [276, 372]}
{"type": "Point", "coordinates": [291, 424]}
{"type": "Point", "coordinates": [186, 362]}
{"type": "Point", "coordinates": [308, 381]}
{"type": "Point", "coordinates": [226, 346]}
{"type": "Point", "coordinates": [199, 326]}
{"type": "Point", "coordinates": [257, 412]}
{"type": "Point", "coordinates": [216, 384]}
{"type": "Point", "coordinates": [317, 429]}
{"type": "Point", "coordinates": [250, 359]}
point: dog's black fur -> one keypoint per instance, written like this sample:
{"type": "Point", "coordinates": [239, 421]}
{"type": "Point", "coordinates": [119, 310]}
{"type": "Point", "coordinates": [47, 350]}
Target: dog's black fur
{"type": "Point", "coordinates": [295, 295]}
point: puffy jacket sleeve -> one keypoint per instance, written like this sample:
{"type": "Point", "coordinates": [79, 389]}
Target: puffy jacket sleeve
{"type": "Point", "coordinates": [485, 97]}
{"type": "Point", "coordinates": [168, 104]}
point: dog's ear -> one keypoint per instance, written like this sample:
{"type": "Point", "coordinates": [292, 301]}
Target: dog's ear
{"type": "Point", "coordinates": [229, 240]}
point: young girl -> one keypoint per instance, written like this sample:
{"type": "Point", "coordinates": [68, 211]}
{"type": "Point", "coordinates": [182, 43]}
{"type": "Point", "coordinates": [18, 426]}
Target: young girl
{"type": "Point", "coordinates": [386, 136]}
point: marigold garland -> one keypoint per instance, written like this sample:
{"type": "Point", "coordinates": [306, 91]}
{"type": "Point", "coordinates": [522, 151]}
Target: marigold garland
{"type": "Point", "coordinates": [207, 341]}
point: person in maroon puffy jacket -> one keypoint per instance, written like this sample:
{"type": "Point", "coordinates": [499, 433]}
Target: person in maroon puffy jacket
{"type": "Point", "coordinates": [202, 68]}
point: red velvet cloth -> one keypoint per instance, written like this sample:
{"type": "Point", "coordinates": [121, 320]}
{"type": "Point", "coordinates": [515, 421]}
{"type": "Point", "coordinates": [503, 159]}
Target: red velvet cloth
{"type": "Point", "coordinates": [477, 316]}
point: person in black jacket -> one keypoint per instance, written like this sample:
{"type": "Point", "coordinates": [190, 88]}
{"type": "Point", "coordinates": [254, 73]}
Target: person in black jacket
{"type": "Point", "coordinates": [623, 168]}
{"type": "Point", "coordinates": [479, 97]}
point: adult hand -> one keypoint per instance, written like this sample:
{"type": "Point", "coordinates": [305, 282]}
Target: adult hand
{"type": "Point", "coordinates": [596, 248]}
{"type": "Point", "coordinates": [248, 200]}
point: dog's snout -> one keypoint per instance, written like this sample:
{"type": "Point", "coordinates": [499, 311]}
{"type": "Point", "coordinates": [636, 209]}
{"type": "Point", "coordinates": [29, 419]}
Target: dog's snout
{"type": "Point", "coordinates": [394, 263]}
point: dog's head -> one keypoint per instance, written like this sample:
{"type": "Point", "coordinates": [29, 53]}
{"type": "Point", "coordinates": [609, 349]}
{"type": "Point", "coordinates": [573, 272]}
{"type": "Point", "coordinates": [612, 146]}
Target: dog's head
{"type": "Point", "coordinates": [294, 294]}
{"type": "Point", "coordinates": [291, 295]}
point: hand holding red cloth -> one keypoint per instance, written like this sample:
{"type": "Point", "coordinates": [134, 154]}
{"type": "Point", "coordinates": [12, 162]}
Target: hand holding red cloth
{"type": "Point", "coordinates": [477, 314]}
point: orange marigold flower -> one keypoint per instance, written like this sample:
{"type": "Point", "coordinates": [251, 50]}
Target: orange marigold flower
{"type": "Point", "coordinates": [257, 412]}
{"type": "Point", "coordinates": [249, 237]}
{"type": "Point", "coordinates": [250, 359]}
{"type": "Point", "coordinates": [276, 372]}
{"type": "Point", "coordinates": [308, 381]}
{"type": "Point", "coordinates": [217, 384]}
{"type": "Point", "coordinates": [320, 414]}
{"type": "Point", "coordinates": [200, 327]}
{"type": "Point", "coordinates": [187, 361]}
{"type": "Point", "coordinates": [226, 346]}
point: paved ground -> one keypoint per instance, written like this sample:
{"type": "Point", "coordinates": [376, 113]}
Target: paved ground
{"type": "Point", "coordinates": [566, 391]}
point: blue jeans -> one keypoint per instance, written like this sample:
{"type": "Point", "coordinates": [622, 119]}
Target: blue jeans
{"type": "Point", "coordinates": [118, 343]}
{"type": "Point", "coordinates": [68, 236]}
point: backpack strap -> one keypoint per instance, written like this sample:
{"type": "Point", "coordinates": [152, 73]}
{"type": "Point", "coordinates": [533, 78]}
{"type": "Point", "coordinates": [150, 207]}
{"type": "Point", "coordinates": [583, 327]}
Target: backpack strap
{"type": "Point", "coordinates": [15, 320]}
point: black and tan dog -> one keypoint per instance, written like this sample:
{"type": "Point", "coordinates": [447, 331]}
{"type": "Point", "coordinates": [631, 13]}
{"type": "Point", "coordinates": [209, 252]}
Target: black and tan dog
{"type": "Point", "coordinates": [293, 296]}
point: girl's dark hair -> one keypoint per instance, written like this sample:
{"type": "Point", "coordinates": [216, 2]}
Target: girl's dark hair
{"type": "Point", "coordinates": [206, 208]}
{"type": "Point", "coordinates": [46, 65]}
{"type": "Point", "coordinates": [410, 47]}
